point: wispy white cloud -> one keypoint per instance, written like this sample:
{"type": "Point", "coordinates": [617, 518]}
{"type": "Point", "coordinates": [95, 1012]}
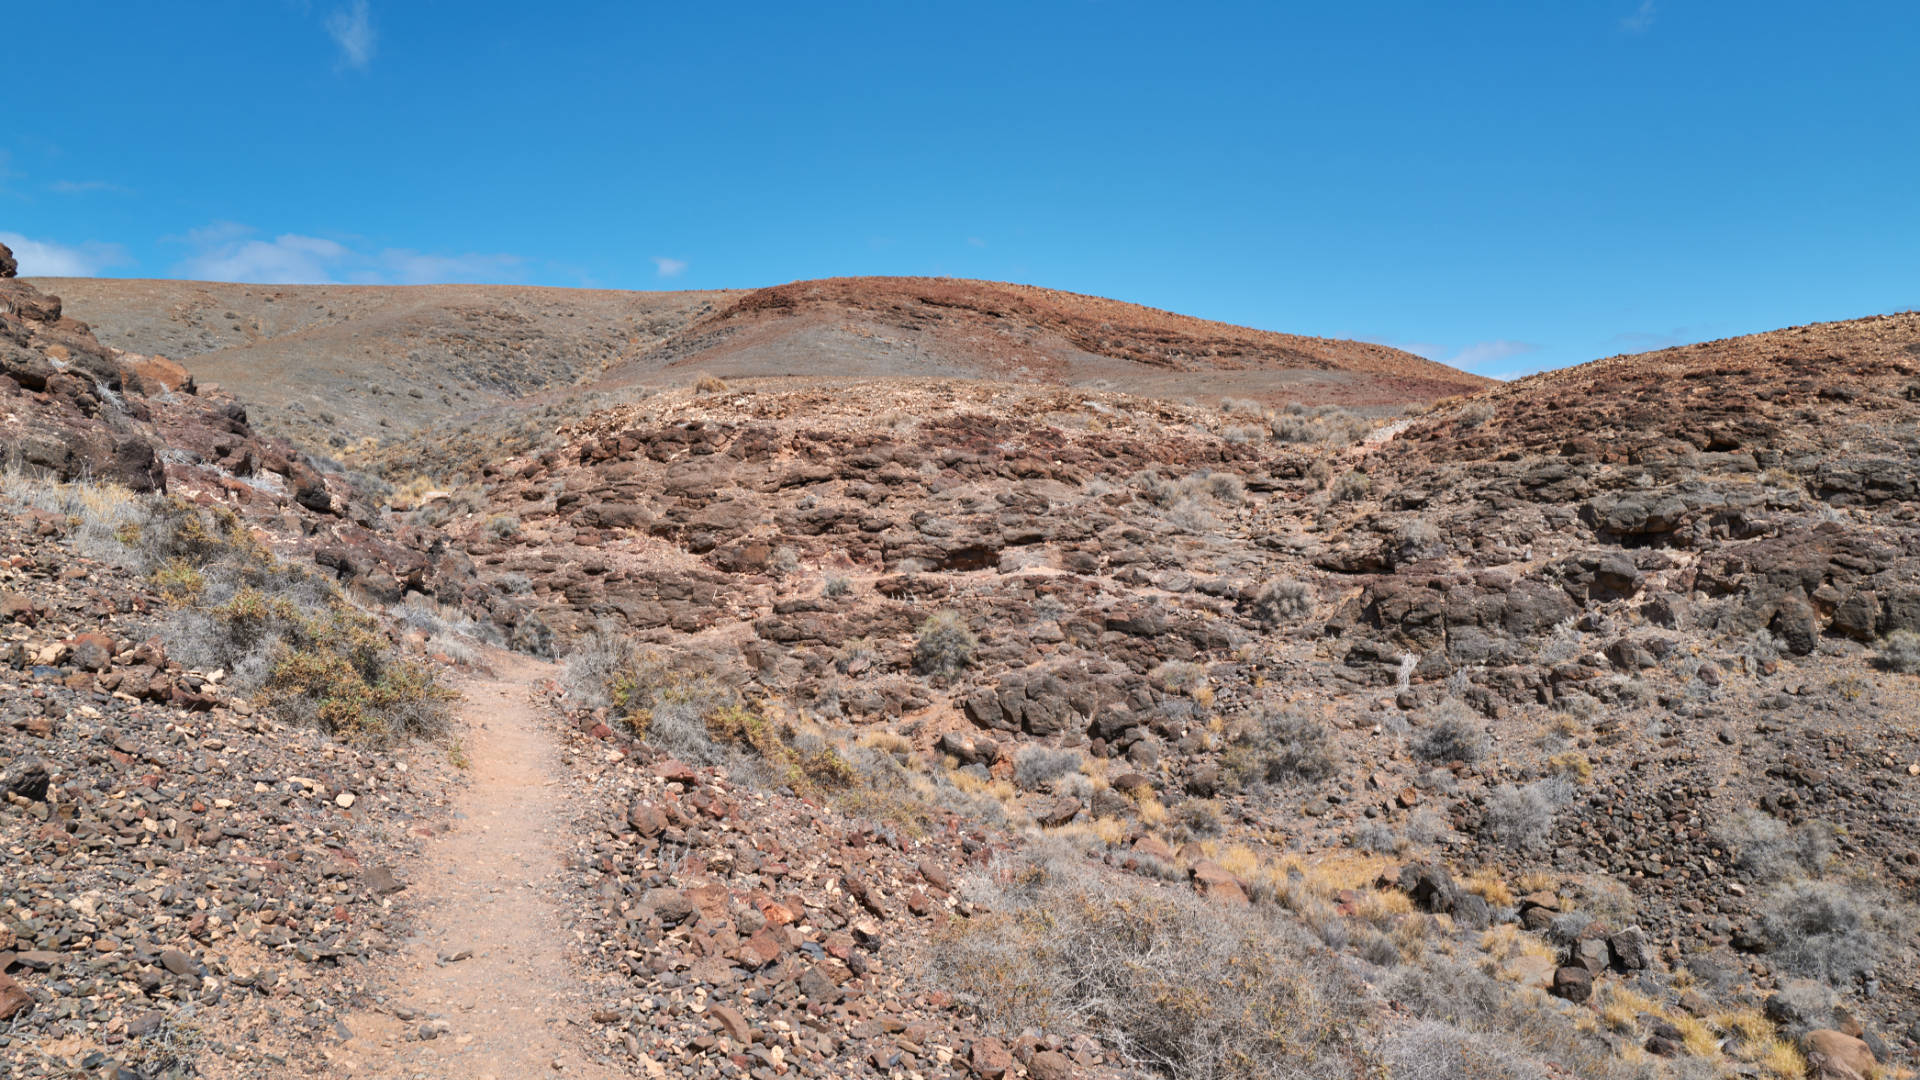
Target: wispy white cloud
{"type": "Point", "coordinates": [352, 29]}
{"type": "Point", "coordinates": [1487, 353]}
{"type": "Point", "coordinates": [226, 251]}
{"type": "Point", "coordinates": [974, 241]}
{"type": "Point", "coordinates": [43, 258]}
{"type": "Point", "coordinates": [669, 268]}
{"type": "Point", "coordinates": [1641, 20]}
{"type": "Point", "coordinates": [82, 187]}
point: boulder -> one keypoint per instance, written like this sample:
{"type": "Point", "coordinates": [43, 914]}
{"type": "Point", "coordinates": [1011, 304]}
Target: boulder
{"type": "Point", "coordinates": [1835, 1055]}
{"type": "Point", "coordinates": [14, 998]}
{"type": "Point", "coordinates": [1430, 886]}
{"type": "Point", "coordinates": [1573, 983]}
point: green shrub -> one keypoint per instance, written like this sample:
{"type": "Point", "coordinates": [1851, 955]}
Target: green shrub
{"type": "Point", "coordinates": [1352, 486]}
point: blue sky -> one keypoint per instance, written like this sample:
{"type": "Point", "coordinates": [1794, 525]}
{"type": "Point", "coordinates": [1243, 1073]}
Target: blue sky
{"type": "Point", "coordinates": [1504, 186]}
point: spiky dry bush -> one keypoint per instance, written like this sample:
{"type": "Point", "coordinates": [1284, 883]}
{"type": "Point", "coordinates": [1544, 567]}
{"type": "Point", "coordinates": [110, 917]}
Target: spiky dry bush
{"type": "Point", "coordinates": [945, 645]}
{"type": "Point", "coordinates": [1767, 848]}
{"type": "Point", "coordinates": [1035, 767]}
{"type": "Point", "coordinates": [1520, 816]}
{"type": "Point", "coordinates": [1280, 747]}
{"type": "Point", "coordinates": [1189, 989]}
{"type": "Point", "coordinates": [1328, 424]}
{"type": "Point", "coordinates": [1824, 930]}
{"type": "Point", "coordinates": [1900, 652]}
{"type": "Point", "coordinates": [1279, 602]}
{"type": "Point", "coordinates": [1452, 733]}
{"type": "Point", "coordinates": [705, 383]}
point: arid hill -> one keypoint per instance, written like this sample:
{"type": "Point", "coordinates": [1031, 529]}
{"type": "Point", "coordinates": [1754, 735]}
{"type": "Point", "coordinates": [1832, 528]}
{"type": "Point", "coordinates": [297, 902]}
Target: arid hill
{"type": "Point", "coordinates": [956, 720]}
{"type": "Point", "coordinates": [331, 365]}
{"type": "Point", "coordinates": [876, 327]}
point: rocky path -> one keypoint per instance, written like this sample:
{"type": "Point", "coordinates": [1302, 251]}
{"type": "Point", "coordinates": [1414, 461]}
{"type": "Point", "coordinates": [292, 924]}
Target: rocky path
{"type": "Point", "coordinates": [486, 990]}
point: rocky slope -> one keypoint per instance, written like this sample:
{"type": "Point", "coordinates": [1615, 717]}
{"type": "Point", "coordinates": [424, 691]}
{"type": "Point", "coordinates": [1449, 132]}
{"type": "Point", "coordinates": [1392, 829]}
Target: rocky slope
{"type": "Point", "coordinates": [853, 327]}
{"type": "Point", "coordinates": [997, 727]}
{"type": "Point", "coordinates": [1635, 605]}
{"type": "Point", "coordinates": [330, 366]}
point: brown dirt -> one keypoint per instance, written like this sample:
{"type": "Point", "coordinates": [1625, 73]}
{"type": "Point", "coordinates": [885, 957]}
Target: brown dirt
{"type": "Point", "coordinates": [511, 1004]}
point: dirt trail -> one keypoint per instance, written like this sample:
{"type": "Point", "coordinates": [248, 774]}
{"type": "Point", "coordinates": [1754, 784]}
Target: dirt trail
{"type": "Point", "coordinates": [488, 977]}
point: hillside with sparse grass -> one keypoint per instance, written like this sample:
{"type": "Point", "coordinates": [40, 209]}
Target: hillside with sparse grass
{"type": "Point", "coordinates": [955, 720]}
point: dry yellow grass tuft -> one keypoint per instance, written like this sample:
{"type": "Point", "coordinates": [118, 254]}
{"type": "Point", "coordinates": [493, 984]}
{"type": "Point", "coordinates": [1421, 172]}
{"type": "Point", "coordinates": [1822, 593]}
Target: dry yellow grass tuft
{"type": "Point", "coordinates": [1487, 883]}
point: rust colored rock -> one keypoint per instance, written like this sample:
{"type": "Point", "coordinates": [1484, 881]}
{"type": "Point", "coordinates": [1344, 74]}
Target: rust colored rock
{"type": "Point", "coordinates": [158, 375]}
{"type": "Point", "coordinates": [1835, 1055]}
{"type": "Point", "coordinates": [646, 819]}
{"type": "Point", "coordinates": [14, 999]}
{"type": "Point", "coordinates": [990, 1059]}
{"type": "Point", "coordinates": [1050, 1065]}
{"type": "Point", "coordinates": [93, 652]}
{"type": "Point", "coordinates": [732, 1023]}
{"type": "Point", "coordinates": [1214, 882]}
{"type": "Point", "coordinates": [677, 771]}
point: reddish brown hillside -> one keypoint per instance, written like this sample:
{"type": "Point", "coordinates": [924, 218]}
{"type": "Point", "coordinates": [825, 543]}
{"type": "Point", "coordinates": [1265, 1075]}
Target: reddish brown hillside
{"type": "Point", "coordinates": [878, 326]}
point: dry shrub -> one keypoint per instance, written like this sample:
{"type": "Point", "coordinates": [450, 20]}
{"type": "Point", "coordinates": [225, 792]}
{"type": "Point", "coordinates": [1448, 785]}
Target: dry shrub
{"type": "Point", "coordinates": [1900, 652]}
{"type": "Point", "coordinates": [1521, 816]}
{"type": "Point", "coordinates": [945, 646]}
{"type": "Point", "coordinates": [1823, 930]}
{"type": "Point", "coordinates": [1186, 988]}
{"type": "Point", "coordinates": [1035, 767]}
{"type": "Point", "coordinates": [1452, 733]}
{"type": "Point", "coordinates": [1281, 747]}
{"type": "Point", "coordinates": [709, 384]}
{"type": "Point", "coordinates": [1769, 850]}
{"type": "Point", "coordinates": [1280, 601]}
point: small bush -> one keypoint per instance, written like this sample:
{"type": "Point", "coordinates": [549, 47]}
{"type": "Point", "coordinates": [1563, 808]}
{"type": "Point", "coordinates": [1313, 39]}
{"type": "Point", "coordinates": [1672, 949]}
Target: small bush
{"type": "Point", "coordinates": [1521, 817]}
{"type": "Point", "coordinates": [1352, 486]}
{"type": "Point", "coordinates": [945, 646]}
{"type": "Point", "coordinates": [837, 586]}
{"type": "Point", "coordinates": [1451, 735]}
{"type": "Point", "coordinates": [709, 384]}
{"type": "Point", "coordinates": [1197, 819]}
{"type": "Point", "coordinates": [1475, 413]}
{"type": "Point", "coordinates": [1178, 676]}
{"type": "Point", "coordinates": [1900, 652]}
{"type": "Point", "coordinates": [1821, 930]}
{"type": "Point", "coordinates": [1281, 747]}
{"type": "Point", "coordinates": [1327, 424]}
{"type": "Point", "coordinates": [328, 666]}
{"type": "Point", "coordinates": [501, 526]}
{"type": "Point", "coordinates": [1767, 849]}
{"type": "Point", "coordinates": [1175, 984]}
{"type": "Point", "coordinates": [1436, 1050]}
{"type": "Point", "coordinates": [1280, 601]}
{"type": "Point", "coordinates": [1417, 539]}
{"type": "Point", "coordinates": [1036, 767]}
